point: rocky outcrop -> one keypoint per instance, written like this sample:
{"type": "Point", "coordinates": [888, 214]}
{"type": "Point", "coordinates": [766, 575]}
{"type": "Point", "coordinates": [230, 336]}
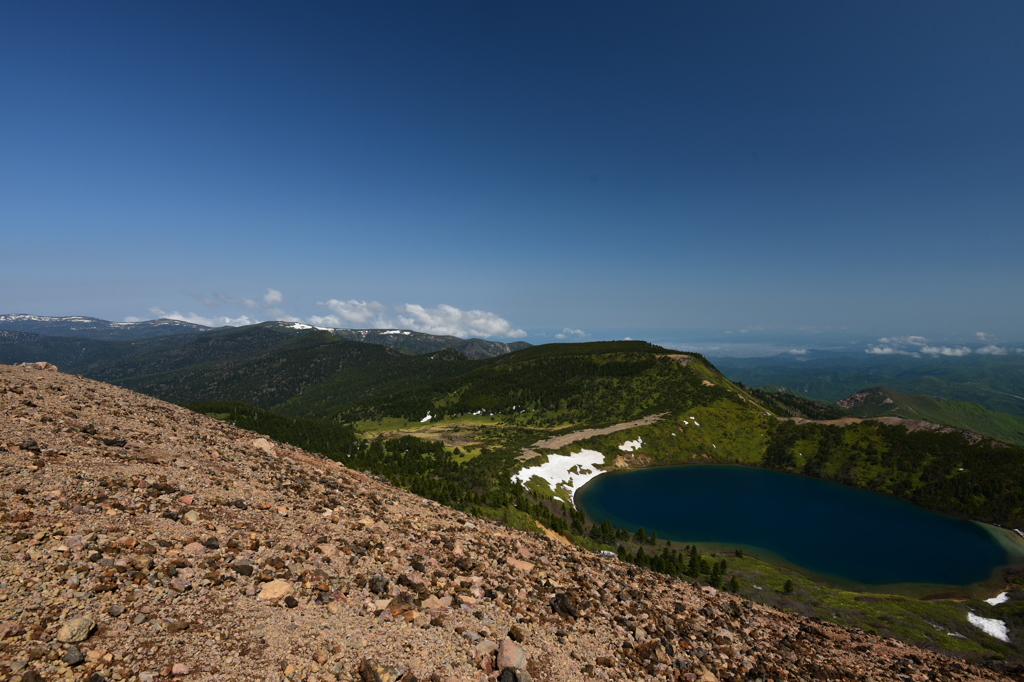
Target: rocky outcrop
{"type": "Point", "coordinates": [869, 395]}
{"type": "Point", "coordinates": [140, 541]}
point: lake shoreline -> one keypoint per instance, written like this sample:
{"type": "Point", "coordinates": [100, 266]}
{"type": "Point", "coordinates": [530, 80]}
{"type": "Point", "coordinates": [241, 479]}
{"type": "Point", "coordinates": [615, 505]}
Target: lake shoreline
{"type": "Point", "coordinates": [1012, 549]}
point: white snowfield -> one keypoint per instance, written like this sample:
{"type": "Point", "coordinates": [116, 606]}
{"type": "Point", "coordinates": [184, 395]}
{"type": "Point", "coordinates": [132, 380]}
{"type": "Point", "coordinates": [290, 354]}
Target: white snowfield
{"type": "Point", "coordinates": [300, 326]}
{"type": "Point", "coordinates": [396, 331]}
{"type": "Point", "coordinates": [426, 419]}
{"type": "Point", "coordinates": [1000, 598]}
{"type": "Point", "coordinates": [570, 472]}
{"type": "Point", "coordinates": [631, 445]}
{"type": "Point", "coordinates": [990, 626]}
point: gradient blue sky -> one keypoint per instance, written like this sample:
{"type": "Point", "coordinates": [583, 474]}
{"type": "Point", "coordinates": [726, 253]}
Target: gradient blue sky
{"type": "Point", "coordinates": [662, 170]}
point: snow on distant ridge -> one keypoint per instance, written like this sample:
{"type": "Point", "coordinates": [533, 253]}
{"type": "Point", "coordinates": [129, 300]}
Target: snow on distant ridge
{"type": "Point", "coordinates": [47, 318]}
{"type": "Point", "coordinates": [130, 322]}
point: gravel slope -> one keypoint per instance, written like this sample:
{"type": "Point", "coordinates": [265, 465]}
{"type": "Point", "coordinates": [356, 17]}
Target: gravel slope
{"type": "Point", "coordinates": [141, 541]}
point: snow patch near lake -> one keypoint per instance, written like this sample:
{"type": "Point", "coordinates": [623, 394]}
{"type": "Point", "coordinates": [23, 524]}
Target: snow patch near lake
{"type": "Point", "coordinates": [1000, 598]}
{"type": "Point", "coordinates": [990, 626]}
{"type": "Point", "coordinates": [631, 445]}
{"type": "Point", "coordinates": [570, 472]}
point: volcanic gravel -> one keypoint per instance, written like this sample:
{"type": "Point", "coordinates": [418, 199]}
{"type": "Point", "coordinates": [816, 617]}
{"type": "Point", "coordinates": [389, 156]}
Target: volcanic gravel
{"type": "Point", "coordinates": [141, 541]}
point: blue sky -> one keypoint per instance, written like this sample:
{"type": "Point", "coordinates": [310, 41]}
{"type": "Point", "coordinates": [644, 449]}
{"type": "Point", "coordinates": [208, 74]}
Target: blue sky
{"type": "Point", "coordinates": [669, 171]}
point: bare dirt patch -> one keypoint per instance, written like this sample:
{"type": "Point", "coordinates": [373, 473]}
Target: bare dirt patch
{"type": "Point", "coordinates": [552, 534]}
{"type": "Point", "coordinates": [557, 442]}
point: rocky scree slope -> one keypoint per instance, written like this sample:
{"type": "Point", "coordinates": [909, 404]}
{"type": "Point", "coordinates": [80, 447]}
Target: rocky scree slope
{"type": "Point", "coordinates": [141, 541]}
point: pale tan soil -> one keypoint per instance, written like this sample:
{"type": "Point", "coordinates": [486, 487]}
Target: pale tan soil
{"type": "Point", "coordinates": [911, 424]}
{"type": "Point", "coordinates": [464, 438]}
{"type": "Point", "coordinates": [556, 442]}
{"type": "Point", "coordinates": [146, 518]}
{"type": "Point", "coordinates": [552, 534]}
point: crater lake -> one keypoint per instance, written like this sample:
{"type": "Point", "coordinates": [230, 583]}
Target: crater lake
{"type": "Point", "coordinates": [855, 538]}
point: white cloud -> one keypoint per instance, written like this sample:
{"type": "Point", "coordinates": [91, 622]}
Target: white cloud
{"type": "Point", "coordinates": [355, 312]}
{"type": "Point", "coordinates": [132, 318]}
{"type": "Point", "coordinates": [447, 320]}
{"type": "Point", "coordinates": [914, 346]}
{"type": "Point", "coordinates": [444, 320]}
{"type": "Point", "coordinates": [268, 306]}
{"type": "Point", "coordinates": [221, 321]}
{"type": "Point", "coordinates": [982, 336]}
{"type": "Point", "coordinates": [993, 350]}
{"type": "Point", "coordinates": [946, 350]}
{"type": "Point", "coordinates": [577, 333]}
{"type": "Point", "coordinates": [798, 351]}
{"type": "Point", "coordinates": [904, 340]}
{"type": "Point", "coordinates": [888, 350]}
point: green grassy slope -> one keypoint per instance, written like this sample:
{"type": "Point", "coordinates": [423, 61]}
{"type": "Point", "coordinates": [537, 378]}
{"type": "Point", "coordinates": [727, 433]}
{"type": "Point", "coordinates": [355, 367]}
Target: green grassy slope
{"type": "Point", "coordinates": [880, 401]}
{"type": "Point", "coordinates": [785, 403]}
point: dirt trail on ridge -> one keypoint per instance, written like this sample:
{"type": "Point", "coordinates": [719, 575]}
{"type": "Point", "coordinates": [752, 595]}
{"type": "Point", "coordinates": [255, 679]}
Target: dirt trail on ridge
{"type": "Point", "coordinates": [556, 442]}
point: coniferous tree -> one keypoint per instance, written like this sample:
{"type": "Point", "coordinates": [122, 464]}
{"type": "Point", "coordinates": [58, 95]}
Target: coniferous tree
{"type": "Point", "coordinates": [693, 567]}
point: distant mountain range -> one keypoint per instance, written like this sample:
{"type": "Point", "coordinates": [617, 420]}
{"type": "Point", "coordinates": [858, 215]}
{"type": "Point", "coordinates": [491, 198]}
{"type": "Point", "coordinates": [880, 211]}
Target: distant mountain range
{"type": "Point", "coordinates": [94, 328]}
{"type": "Point", "coordinates": [297, 368]}
{"type": "Point", "coordinates": [994, 381]}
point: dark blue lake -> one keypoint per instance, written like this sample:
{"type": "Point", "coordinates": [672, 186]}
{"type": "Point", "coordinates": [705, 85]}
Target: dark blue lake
{"type": "Point", "coordinates": [856, 537]}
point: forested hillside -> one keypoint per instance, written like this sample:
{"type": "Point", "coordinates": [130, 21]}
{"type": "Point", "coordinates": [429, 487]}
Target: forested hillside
{"type": "Point", "coordinates": [586, 384]}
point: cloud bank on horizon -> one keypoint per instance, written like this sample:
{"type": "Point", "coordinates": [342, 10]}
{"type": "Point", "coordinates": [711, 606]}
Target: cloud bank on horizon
{"type": "Point", "coordinates": [443, 320]}
{"type": "Point", "coordinates": [919, 346]}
